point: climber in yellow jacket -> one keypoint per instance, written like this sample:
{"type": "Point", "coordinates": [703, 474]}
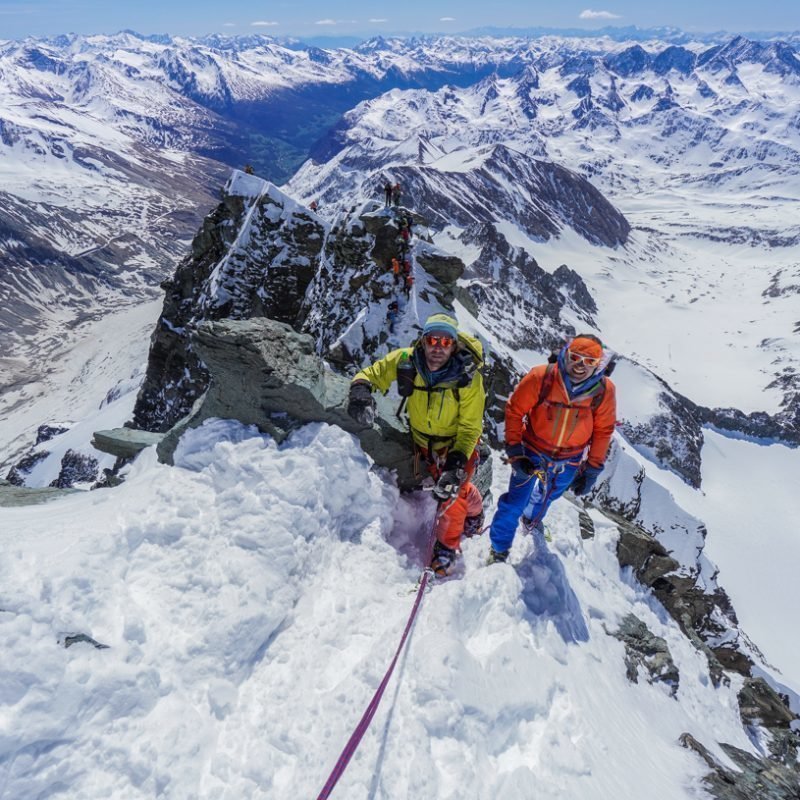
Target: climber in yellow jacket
{"type": "Point", "coordinates": [440, 378]}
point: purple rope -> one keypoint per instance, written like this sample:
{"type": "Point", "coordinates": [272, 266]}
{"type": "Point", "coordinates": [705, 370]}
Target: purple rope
{"type": "Point", "coordinates": [358, 734]}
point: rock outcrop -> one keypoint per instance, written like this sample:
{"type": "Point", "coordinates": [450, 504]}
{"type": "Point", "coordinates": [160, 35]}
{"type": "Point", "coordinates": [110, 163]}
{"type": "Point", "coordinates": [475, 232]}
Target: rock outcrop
{"type": "Point", "coordinates": [11, 495]}
{"type": "Point", "coordinates": [254, 256]}
{"type": "Point", "coordinates": [76, 468]}
{"type": "Point", "coordinates": [645, 650]}
{"type": "Point", "coordinates": [755, 779]}
{"type": "Point", "coordinates": [124, 442]}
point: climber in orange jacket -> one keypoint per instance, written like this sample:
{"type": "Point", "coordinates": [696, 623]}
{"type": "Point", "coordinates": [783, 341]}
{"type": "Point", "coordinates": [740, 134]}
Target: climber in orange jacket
{"type": "Point", "coordinates": [559, 423]}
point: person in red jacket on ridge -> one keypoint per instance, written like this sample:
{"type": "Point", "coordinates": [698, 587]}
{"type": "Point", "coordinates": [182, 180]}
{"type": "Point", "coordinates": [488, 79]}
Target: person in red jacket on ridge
{"type": "Point", "coordinates": [559, 423]}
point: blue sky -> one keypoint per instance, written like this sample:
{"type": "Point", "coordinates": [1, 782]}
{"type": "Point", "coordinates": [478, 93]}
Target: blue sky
{"type": "Point", "coordinates": [20, 18]}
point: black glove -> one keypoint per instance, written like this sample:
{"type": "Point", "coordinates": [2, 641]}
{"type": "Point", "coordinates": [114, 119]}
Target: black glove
{"type": "Point", "coordinates": [525, 465]}
{"type": "Point", "coordinates": [521, 462]}
{"type": "Point", "coordinates": [452, 476]}
{"type": "Point", "coordinates": [361, 404]}
{"type": "Point", "coordinates": [585, 479]}
{"type": "Point", "coordinates": [473, 526]}
{"type": "Point", "coordinates": [514, 451]}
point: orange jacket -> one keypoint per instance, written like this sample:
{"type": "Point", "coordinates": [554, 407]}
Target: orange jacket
{"type": "Point", "coordinates": [558, 427]}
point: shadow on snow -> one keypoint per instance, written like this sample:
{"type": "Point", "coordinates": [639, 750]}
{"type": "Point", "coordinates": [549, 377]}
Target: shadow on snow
{"type": "Point", "coordinates": [547, 594]}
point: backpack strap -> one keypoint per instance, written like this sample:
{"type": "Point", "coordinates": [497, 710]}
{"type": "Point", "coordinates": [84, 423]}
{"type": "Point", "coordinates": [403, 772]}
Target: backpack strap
{"type": "Point", "coordinates": [599, 395]}
{"type": "Point", "coordinates": [547, 380]}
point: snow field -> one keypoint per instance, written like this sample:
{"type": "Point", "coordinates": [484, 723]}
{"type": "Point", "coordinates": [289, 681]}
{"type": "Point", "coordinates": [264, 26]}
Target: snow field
{"type": "Point", "coordinates": [750, 512]}
{"type": "Point", "coordinates": [186, 573]}
{"type": "Point", "coordinates": [98, 359]}
{"type": "Point", "coordinates": [252, 598]}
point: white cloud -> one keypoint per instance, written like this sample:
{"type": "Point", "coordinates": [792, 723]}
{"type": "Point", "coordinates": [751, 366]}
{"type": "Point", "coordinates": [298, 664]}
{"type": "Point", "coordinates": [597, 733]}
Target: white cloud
{"type": "Point", "coordinates": [263, 24]}
{"type": "Point", "coordinates": [447, 19]}
{"type": "Point", "coordinates": [379, 20]}
{"type": "Point", "coordinates": [589, 14]}
{"type": "Point", "coordinates": [325, 22]}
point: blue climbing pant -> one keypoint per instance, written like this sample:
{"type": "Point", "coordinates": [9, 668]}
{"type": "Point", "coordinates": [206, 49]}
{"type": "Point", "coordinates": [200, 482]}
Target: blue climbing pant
{"type": "Point", "coordinates": [527, 496]}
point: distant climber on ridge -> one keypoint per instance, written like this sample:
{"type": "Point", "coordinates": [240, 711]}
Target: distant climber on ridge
{"type": "Point", "coordinates": [396, 271]}
{"type": "Point", "coordinates": [391, 315]}
{"type": "Point", "coordinates": [439, 377]}
{"type": "Point", "coordinates": [387, 194]}
{"type": "Point", "coordinates": [557, 411]}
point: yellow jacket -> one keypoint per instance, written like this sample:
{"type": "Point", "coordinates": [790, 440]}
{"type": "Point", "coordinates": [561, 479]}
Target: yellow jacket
{"type": "Point", "coordinates": [442, 416]}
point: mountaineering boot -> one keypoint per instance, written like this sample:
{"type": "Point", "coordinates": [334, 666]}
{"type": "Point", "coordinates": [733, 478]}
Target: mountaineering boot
{"type": "Point", "coordinates": [443, 560]}
{"type": "Point", "coordinates": [497, 556]}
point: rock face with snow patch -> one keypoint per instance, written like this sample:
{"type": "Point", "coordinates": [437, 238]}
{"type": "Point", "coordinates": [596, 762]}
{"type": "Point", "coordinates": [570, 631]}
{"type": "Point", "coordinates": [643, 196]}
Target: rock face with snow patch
{"type": "Point", "coordinates": [547, 197]}
{"type": "Point", "coordinates": [254, 256]}
{"type": "Point", "coordinates": [525, 306]}
{"type": "Point", "coordinates": [17, 474]}
{"type": "Point", "coordinates": [664, 547]}
{"type": "Point", "coordinates": [671, 435]}
{"type": "Point", "coordinates": [761, 778]}
{"type": "Point", "coordinates": [75, 468]}
{"type": "Point", "coordinates": [783, 426]}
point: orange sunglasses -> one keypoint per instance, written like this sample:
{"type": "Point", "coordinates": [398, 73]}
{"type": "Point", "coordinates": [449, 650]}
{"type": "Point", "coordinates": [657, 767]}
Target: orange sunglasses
{"type": "Point", "coordinates": [439, 341]}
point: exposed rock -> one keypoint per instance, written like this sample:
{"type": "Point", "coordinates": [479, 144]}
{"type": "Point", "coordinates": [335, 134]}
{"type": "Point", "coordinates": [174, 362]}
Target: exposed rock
{"type": "Point", "coordinates": [519, 301]}
{"type": "Point", "coordinates": [570, 283]}
{"type": "Point", "coordinates": [630, 61]}
{"type": "Point", "coordinates": [756, 779]}
{"type": "Point", "coordinates": [637, 549]}
{"type": "Point", "coordinates": [644, 649]}
{"type": "Point", "coordinates": [674, 57]}
{"type": "Point", "coordinates": [673, 437]}
{"type": "Point", "coordinates": [445, 268]}
{"type": "Point", "coordinates": [760, 704]}
{"type": "Point", "coordinates": [345, 304]}
{"type": "Point", "coordinates": [75, 468]}
{"type": "Point", "coordinates": [17, 474]}
{"type": "Point", "coordinates": [585, 524]}
{"type": "Point", "coordinates": [705, 616]}
{"type": "Point", "coordinates": [564, 199]}
{"type": "Point", "coordinates": [499, 380]}
{"type": "Point", "coordinates": [45, 433]}
{"type": "Point", "coordinates": [11, 495]}
{"type": "Point", "coordinates": [261, 255]}
{"type": "Point", "coordinates": [642, 92]}
{"type": "Point", "coordinates": [69, 639]}
{"type": "Point", "coordinates": [124, 442]}
{"type": "Point", "coordinates": [783, 427]}
{"type": "Point", "coordinates": [780, 286]}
